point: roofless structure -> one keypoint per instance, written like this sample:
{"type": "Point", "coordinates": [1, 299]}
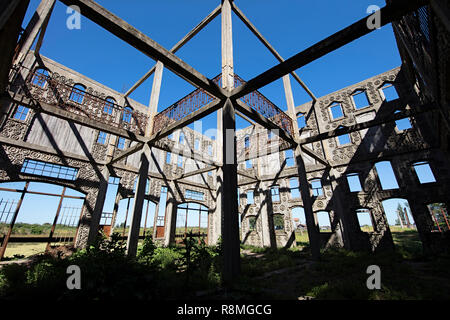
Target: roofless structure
{"type": "Point", "coordinates": [60, 127]}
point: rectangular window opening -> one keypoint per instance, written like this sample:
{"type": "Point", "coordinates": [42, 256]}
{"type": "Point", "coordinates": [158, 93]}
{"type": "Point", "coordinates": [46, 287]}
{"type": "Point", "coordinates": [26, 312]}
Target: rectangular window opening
{"type": "Point", "coordinates": [46, 169]}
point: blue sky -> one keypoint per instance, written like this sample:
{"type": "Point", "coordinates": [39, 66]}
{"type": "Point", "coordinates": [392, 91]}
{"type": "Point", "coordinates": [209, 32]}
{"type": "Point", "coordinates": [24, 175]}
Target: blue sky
{"type": "Point", "coordinates": [290, 26]}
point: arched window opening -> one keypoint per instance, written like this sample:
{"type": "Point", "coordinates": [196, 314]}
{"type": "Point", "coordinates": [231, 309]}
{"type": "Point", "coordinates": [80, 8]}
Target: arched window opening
{"type": "Point", "coordinates": [109, 105]}
{"type": "Point", "coordinates": [78, 93]}
{"type": "Point", "coordinates": [247, 142]}
{"type": "Point", "coordinates": [127, 113]}
{"type": "Point", "coordinates": [40, 77]}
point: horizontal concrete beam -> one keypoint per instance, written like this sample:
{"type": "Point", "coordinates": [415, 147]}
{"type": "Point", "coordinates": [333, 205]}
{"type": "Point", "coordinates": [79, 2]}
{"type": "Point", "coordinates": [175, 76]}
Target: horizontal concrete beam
{"type": "Point", "coordinates": [194, 173]}
{"type": "Point", "coordinates": [70, 116]}
{"type": "Point", "coordinates": [368, 124]}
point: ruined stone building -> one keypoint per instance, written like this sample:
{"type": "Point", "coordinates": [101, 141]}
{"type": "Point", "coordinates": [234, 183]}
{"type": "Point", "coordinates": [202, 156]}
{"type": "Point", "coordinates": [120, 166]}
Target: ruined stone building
{"type": "Point", "coordinates": [59, 126]}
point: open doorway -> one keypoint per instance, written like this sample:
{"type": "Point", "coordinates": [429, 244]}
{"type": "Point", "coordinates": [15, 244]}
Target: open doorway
{"type": "Point", "coordinates": [402, 226]}
{"type": "Point", "coordinates": [299, 225]}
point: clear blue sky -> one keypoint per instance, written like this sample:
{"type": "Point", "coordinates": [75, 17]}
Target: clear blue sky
{"type": "Point", "coordinates": [290, 26]}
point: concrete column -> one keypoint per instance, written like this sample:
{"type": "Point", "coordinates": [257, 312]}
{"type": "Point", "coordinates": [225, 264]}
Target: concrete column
{"type": "Point", "coordinates": [115, 209]}
{"type": "Point", "coordinates": [139, 197]}
{"type": "Point", "coordinates": [341, 232]}
{"type": "Point", "coordinates": [154, 98]}
{"type": "Point", "coordinates": [37, 21]}
{"type": "Point", "coordinates": [98, 207]}
{"type": "Point", "coordinates": [313, 232]}
{"type": "Point", "coordinates": [228, 173]}
{"type": "Point", "coordinates": [171, 215]}
{"type": "Point", "coordinates": [266, 211]}
{"type": "Point", "coordinates": [11, 17]}
{"type": "Point", "coordinates": [230, 222]}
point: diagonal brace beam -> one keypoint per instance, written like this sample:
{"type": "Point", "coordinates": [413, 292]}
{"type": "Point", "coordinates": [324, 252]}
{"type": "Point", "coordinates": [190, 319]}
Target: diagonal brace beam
{"type": "Point", "coordinates": [179, 44]}
{"type": "Point", "coordinates": [389, 13]}
{"type": "Point", "coordinates": [143, 43]}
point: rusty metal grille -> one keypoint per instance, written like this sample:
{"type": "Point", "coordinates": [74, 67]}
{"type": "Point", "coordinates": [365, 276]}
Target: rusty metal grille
{"type": "Point", "coordinates": [200, 98]}
{"type": "Point", "coordinates": [66, 226]}
{"type": "Point", "coordinates": [7, 209]}
{"type": "Point", "coordinates": [58, 91]}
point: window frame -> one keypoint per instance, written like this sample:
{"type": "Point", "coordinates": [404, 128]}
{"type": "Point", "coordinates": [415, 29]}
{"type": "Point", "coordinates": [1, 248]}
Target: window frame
{"type": "Point", "coordinates": [330, 110]}
{"type": "Point", "coordinates": [77, 92]}
{"type": "Point", "coordinates": [23, 113]}
{"type": "Point", "coordinates": [359, 92]}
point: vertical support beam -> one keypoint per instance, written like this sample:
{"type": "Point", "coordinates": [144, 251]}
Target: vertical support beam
{"type": "Point", "coordinates": [52, 231]}
{"type": "Point", "coordinates": [154, 98]}
{"type": "Point", "coordinates": [227, 174]}
{"type": "Point", "coordinates": [115, 210]}
{"type": "Point", "coordinates": [98, 207]}
{"type": "Point", "coordinates": [408, 223]}
{"type": "Point", "coordinates": [313, 232]}
{"type": "Point", "coordinates": [12, 13]}
{"type": "Point", "coordinates": [33, 28]}
{"type": "Point", "coordinates": [146, 216]}
{"type": "Point", "coordinates": [230, 216]}
{"type": "Point", "coordinates": [265, 214]}
{"type": "Point", "coordinates": [170, 221]}
{"type": "Point", "coordinates": [42, 32]}
{"type": "Point", "coordinates": [155, 219]}
{"type": "Point", "coordinates": [170, 218]}
{"type": "Point", "coordinates": [13, 221]}
{"type": "Point", "coordinates": [126, 217]}
{"type": "Point", "coordinates": [139, 196]}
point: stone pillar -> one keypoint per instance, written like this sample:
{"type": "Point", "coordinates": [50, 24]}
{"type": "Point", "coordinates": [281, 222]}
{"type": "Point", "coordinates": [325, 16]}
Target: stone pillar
{"type": "Point", "coordinates": [341, 231]}
{"type": "Point", "coordinates": [424, 223]}
{"type": "Point", "coordinates": [98, 207]}
{"type": "Point", "coordinates": [139, 197]}
{"type": "Point", "coordinates": [11, 16]}
{"type": "Point", "coordinates": [266, 216]}
{"type": "Point", "coordinates": [228, 183]}
{"type": "Point", "coordinates": [313, 232]}
{"type": "Point", "coordinates": [171, 215]}
{"type": "Point", "coordinates": [154, 98]}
